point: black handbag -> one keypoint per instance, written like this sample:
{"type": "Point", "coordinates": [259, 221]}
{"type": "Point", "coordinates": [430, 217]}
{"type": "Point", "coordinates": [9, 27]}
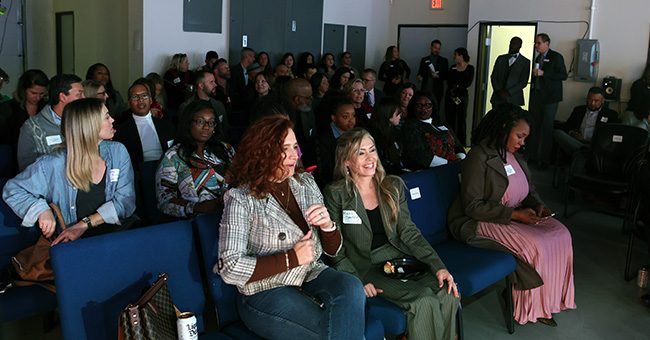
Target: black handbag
{"type": "Point", "coordinates": [153, 317]}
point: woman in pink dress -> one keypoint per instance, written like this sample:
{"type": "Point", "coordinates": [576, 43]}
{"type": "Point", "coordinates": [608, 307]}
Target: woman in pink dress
{"type": "Point", "coordinates": [498, 208]}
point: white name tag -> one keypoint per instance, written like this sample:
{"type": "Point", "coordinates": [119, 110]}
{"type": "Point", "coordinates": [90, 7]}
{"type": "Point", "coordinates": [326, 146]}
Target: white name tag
{"type": "Point", "coordinates": [617, 139]}
{"type": "Point", "coordinates": [53, 140]}
{"type": "Point", "coordinates": [442, 128]}
{"type": "Point", "coordinates": [177, 80]}
{"type": "Point", "coordinates": [351, 217]}
{"type": "Point", "coordinates": [415, 193]}
{"type": "Point", "coordinates": [369, 115]}
{"type": "Point", "coordinates": [114, 174]}
{"type": "Point", "coordinates": [170, 143]}
{"type": "Point", "coordinates": [509, 170]}
{"type": "Point", "coordinates": [604, 119]}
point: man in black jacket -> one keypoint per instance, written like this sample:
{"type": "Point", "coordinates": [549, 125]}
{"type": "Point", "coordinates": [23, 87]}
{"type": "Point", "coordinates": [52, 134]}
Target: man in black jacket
{"type": "Point", "coordinates": [577, 131]}
{"type": "Point", "coordinates": [146, 137]}
{"type": "Point", "coordinates": [546, 92]}
{"type": "Point", "coordinates": [510, 75]}
{"type": "Point", "coordinates": [433, 72]}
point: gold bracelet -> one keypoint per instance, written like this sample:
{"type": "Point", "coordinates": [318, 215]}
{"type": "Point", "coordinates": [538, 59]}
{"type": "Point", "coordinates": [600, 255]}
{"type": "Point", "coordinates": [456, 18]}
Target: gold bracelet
{"type": "Point", "coordinates": [286, 257]}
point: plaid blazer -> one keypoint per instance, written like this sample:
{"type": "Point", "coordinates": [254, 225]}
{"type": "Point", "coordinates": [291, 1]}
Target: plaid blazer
{"type": "Point", "coordinates": [252, 227]}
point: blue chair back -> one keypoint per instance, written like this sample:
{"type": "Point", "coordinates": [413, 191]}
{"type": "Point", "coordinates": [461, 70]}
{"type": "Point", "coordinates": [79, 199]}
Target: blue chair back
{"type": "Point", "coordinates": [19, 302]}
{"type": "Point", "coordinates": [13, 237]}
{"type": "Point", "coordinates": [223, 295]}
{"type": "Point", "coordinates": [438, 188]}
{"type": "Point", "coordinates": [8, 164]}
{"type": "Point", "coordinates": [148, 200]}
{"type": "Point", "coordinates": [98, 276]}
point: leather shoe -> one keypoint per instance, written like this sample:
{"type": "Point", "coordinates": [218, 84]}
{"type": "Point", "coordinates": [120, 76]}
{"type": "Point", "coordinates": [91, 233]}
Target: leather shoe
{"type": "Point", "coordinates": [548, 322]}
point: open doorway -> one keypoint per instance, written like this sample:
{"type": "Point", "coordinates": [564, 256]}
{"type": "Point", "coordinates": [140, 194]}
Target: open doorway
{"type": "Point", "coordinates": [65, 43]}
{"type": "Point", "coordinates": [494, 39]}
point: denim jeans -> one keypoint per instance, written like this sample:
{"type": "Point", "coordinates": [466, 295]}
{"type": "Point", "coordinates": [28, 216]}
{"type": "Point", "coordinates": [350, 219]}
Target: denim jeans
{"type": "Point", "coordinates": [288, 313]}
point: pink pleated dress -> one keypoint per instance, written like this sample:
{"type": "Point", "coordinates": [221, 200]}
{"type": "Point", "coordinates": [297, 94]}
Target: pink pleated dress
{"type": "Point", "coordinates": [546, 246]}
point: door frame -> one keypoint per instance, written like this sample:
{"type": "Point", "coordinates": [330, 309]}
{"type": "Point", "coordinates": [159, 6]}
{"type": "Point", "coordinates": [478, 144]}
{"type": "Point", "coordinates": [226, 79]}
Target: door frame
{"type": "Point", "coordinates": [482, 72]}
{"type": "Point", "coordinates": [59, 47]}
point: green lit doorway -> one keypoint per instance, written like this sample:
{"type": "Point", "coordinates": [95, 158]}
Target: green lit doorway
{"type": "Point", "coordinates": [494, 39]}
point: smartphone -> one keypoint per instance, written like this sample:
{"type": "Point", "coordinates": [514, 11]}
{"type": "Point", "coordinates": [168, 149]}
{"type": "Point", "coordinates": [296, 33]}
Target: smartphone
{"type": "Point", "coordinates": [548, 216]}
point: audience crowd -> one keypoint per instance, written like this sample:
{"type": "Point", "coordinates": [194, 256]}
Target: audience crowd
{"type": "Point", "coordinates": [259, 142]}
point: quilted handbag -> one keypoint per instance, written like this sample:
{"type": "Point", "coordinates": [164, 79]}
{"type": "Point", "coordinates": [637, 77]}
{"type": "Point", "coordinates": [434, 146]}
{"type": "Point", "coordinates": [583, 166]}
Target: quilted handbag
{"type": "Point", "coordinates": [153, 317]}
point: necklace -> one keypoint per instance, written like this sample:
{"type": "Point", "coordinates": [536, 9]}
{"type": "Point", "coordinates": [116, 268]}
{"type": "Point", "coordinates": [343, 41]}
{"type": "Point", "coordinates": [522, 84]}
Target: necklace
{"type": "Point", "coordinates": [278, 191]}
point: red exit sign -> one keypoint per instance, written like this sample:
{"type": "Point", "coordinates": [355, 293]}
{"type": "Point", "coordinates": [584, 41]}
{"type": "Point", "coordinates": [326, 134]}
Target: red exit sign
{"type": "Point", "coordinates": [436, 4]}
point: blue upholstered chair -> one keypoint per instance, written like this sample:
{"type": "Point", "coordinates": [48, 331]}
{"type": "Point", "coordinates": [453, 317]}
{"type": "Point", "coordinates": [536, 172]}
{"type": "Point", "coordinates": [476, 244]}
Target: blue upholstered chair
{"type": "Point", "coordinates": [98, 276]}
{"type": "Point", "coordinates": [147, 200]}
{"type": "Point", "coordinates": [224, 295]}
{"type": "Point", "coordinates": [8, 166]}
{"type": "Point", "coordinates": [474, 269]}
{"type": "Point", "coordinates": [19, 302]}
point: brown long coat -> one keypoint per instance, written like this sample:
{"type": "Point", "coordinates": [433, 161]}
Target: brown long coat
{"type": "Point", "coordinates": [483, 183]}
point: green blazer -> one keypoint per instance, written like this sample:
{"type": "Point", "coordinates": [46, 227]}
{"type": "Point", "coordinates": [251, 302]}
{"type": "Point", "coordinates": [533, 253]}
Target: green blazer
{"type": "Point", "coordinates": [404, 237]}
{"type": "Point", "coordinates": [483, 183]}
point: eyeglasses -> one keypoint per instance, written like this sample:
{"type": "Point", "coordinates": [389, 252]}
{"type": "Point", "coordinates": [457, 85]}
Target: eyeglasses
{"type": "Point", "coordinates": [202, 123]}
{"type": "Point", "coordinates": [261, 82]}
{"type": "Point", "coordinates": [423, 106]}
{"type": "Point", "coordinates": [365, 80]}
{"type": "Point", "coordinates": [138, 97]}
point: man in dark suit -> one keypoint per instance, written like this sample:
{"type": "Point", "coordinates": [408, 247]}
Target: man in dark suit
{"type": "Point", "coordinates": [146, 137]}
{"type": "Point", "coordinates": [373, 95]}
{"type": "Point", "coordinates": [433, 72]}
{"type": "Point", "coordinates": [510, 75]}
{"type": "Point", "coordinates": [342, 119]}
{"type": "Point", "coordinates": [577, 131]}
{"type": "Point", "coordinates": [545, 94]}
{"type": "Point", "coordinates": [239, 77]}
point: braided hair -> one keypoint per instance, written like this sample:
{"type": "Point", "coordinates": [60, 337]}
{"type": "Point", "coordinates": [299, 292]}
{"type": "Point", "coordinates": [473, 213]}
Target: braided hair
{"type": "Point", "coordinates": [496, 125]}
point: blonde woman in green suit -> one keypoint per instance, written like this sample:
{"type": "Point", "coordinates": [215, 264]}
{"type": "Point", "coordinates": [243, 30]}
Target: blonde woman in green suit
{"type": "Point", "coordinates": [373, 216]}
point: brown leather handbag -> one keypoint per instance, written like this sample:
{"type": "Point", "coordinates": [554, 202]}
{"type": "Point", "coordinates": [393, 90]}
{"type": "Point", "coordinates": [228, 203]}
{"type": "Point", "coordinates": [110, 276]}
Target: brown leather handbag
{"type": "Point", "coordinates": [153, 317]}
{"type": "Point", "coordinates": [32, 265]}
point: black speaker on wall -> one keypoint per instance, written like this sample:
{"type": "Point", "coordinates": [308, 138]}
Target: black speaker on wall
{"type": "Point", "coordinates": [612, 88]}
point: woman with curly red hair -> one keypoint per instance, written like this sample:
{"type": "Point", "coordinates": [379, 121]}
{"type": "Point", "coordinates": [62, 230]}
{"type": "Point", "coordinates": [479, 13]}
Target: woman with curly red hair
{"type": "Point", "coordinates": [273, 231]}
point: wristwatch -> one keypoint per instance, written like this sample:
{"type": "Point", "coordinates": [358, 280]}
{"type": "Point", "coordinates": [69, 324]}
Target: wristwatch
{"type": "Point", "coordinates": [87, 221]}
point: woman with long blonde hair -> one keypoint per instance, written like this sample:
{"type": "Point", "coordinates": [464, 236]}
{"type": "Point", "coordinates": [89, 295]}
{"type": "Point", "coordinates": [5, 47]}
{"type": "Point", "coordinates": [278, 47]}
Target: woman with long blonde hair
{"type": "Point", "coordinates": [370, 208]}
{"type": "Point", "coordinates": [90, 179]}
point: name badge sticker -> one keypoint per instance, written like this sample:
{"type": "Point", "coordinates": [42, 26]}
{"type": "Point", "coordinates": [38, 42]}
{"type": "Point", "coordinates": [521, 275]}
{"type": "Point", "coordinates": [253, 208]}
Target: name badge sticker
{"type": "Point", "coordinates": [509, 170]}
{"type": "Point", "coordinates": [415, 193]}
{"type": "Point", "coordinates": [351, 217]}
{"type": "Point", "coordinates": [170, 143]}
{"type": "Point", "coordinates": [617, 139]}
{"type": "Point", "coordinates": [177, 80]}
{"type": "Point", "coordinates": [53, 140]}
{"type": "Point", "coordinates": [442, 128]}
{"type": "Point", "coordinates": [604, 119]}
{"type": "Point", "coordinates": [114, 175]}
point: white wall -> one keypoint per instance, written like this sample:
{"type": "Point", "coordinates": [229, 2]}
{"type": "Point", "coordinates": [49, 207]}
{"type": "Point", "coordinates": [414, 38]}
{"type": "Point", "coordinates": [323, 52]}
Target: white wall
{"type": "Point", "coordinates": [163, 36]}
{"type": "Point", "coordinates": [100, 36]}
{"type": "Point", "coordinates": [40, 36]}
{"type": "Point", "coordinates": [373, 14]}
{"type": "Point", "coordinates": [412, 12]}
{"type": "Point", "coordinates": [622, 27]}
{"type": "Point", "coordinates": [135, 47]}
